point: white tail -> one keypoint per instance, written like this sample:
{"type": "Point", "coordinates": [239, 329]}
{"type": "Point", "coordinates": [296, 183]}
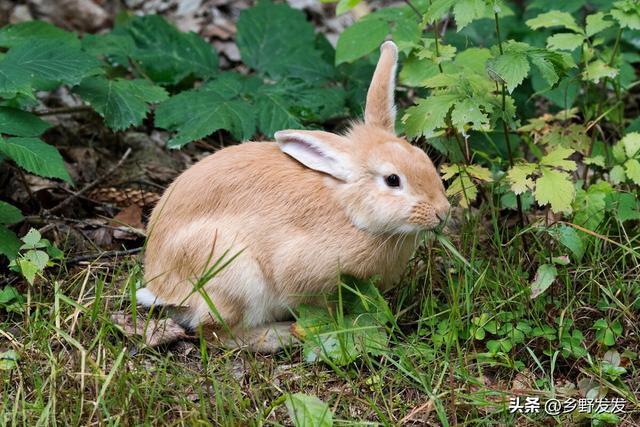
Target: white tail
{"type": "Point", "coordinates": [146, 298]}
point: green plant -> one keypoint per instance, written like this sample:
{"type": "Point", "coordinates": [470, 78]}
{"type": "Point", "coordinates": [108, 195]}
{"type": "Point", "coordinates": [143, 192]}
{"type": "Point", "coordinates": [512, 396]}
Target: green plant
{"type": "Point", "coordinates": [607, 332]}
{"type": "Point", "coordinates": [35, 254]}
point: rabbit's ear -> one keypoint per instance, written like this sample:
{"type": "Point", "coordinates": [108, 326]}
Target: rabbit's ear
{"type": "Point", "coordinates": [380, 110]}
{"type": "Point", "coordinates": [321, 151]}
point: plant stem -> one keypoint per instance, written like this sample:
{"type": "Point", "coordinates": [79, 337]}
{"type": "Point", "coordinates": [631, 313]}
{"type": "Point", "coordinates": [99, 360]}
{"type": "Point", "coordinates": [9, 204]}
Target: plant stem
{"type": "Point", "coordinates": [614, 53]}
{"type": "Point", "coordinates": [505, 130]}
{"type": "Point", "coordinates": [64, 110]}
{"type": "Point", "coordinates": [415, 9]}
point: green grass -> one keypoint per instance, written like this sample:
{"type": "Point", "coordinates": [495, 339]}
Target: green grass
{"type": "Point", "coordinates": [76, 368]}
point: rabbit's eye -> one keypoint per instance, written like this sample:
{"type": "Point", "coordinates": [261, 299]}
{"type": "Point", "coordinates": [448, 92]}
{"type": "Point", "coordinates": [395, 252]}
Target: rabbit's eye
{"type": "Point", "coordinates": [392, 180]}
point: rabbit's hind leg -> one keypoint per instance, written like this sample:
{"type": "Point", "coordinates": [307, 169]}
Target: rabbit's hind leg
{"type": "Point", "coordinates": [267, 338]}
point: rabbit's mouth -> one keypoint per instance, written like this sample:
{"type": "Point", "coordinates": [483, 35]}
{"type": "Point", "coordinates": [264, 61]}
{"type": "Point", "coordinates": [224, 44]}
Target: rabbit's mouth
{"type": "Point", "coordinates": [427, 217]}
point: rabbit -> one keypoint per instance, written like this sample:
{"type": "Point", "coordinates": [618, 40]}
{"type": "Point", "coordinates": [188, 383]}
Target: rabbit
{"type": "Point", "coordinates": [294, 213]}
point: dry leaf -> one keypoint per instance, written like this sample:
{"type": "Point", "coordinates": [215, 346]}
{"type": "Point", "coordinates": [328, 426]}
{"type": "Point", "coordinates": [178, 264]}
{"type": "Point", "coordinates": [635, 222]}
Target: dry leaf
{"type": "Point", "coordinates": [155, 332]}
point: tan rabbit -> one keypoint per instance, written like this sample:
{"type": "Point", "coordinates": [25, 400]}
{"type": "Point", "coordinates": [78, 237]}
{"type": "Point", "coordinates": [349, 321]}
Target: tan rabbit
{"type": "Point", "coordinates": [298, 211]}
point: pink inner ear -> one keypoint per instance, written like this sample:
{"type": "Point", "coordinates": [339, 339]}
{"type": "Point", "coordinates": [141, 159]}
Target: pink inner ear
{"type": "Point", "coordinates": [307, 148]}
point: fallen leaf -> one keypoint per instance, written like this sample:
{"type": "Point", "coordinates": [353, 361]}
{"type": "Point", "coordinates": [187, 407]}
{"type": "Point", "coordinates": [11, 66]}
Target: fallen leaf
{"type": "Point", "coordinates": [155, 332]}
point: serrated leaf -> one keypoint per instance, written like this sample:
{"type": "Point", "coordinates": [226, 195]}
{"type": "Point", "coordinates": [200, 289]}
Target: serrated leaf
{"type": "Point", "coordinates": [428, 115]}
{"type": "Point", "coordinates": [632, 169]}
{"type": "Point", "coordinates": [617, 174]}
{"type": "Point", "coordinates": [167, 55]}
{"type": "Point", "coordinates": [278, 41]}
{"type": "Point", "coordinates": [545, 276]}
{"type": "Point", "coordinates": [597, 70]}
{"type": "Point", "coordinates": [511, 68]}
{"type": "Point", "coordinates": [437, 9]}
{"type": "Point", "coordinates": [197, 113]}
{"type": "Point", "coordinates": [519, 179]}
{"type": "Point", "coordinates": [35, 156]}
{"type": "Point", "coordinates": [121, 102]}
{"type": "Point", "coordinates": [553, 18]}
{"type": "Point", "coordinates": [596, 22]}
{"type": "Point", "coordinates": [361, 38]}
{"type": "Point", "coordinates": [479, 172]}
{"type": "Point", "coordinates": [555, 188]}
{"type": "Point", "coordinates": [48, 60]}
{"type": "Point", "coordinates": [9, 214]}
{"type": "Point", "coordinates": [552, 65]}
{"type": "Point", "coordinates": [556, 158]}
{"type": "Point", "coordinates": [21, 123]}
{"type": "Point", "coordinates": [35, 32]}
{"type": "Point", "coordinates": [627, 13]}
{"type": "Point", "coordinates": [565, 41]}
{"type": "Point", "coordinates": [631, 143]}
{"type": "Point", "coordinates": [468, 111]}
{"type": "Point", "coordinates": [116, 48]}
{"type": "Point", "coordinates": [466, 11]}
{"type": "Point", "coordinates": [308, 411]}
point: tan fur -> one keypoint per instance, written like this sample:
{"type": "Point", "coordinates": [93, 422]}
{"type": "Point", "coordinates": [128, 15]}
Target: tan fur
{"type": "Point", "coordinates": [295, 228]}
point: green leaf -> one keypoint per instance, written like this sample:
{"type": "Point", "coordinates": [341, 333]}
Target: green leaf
{"type": "Point", "coordinates": [437, 9]}
{"type": "Point", "coordinates": [116, 48]}
{"type": "Point", "coordinates": [565, 41]}
{"type": "Point", "coordinates": [167, 55]}
{"type": "Point", "coordinates": [121, 102]}
{"type": "Point", "coordinates": [552, 65]}
{"type": "Point", "coordinates": [632, 169]}
{"type": "Point", "coordinates": [48, 60]}
{"type": "Point", "coordinates": [9, 243]}
{"type": "Point", "coordinates": [464, 189]}
{"type": "Point", "coordinates": [597, 70]}
{"type": "Point", "coordinates": [9, 214]}
{"type": "Point", "coordinates": [308, 411]}
{"type": "Point", "coordinates": [590, 206]}
{"type": "Point", "coordinates": [361, 38]}
{"type": "Point", "coordinates": [596, 22]}
{"type": "Point", "coordinates": [20, 123]}
{"type": "Point", "coordinates": [627, 13]}
{"type": "Point", "coordinates": [8, 360]}
{"type": "Point", "coordinates": [479, 172]}
{"type": "Point", "coordinates": [32, 239]}
{"type": "Point", "coordinates": [626, 206]}
{"type": "Point", "coordinates": [553, 18]}
{"type": "Point", "coordinates": [279, 42]}
{"type": "Point", "coordinates": [35, 157]}
{"type": "Point", "coordinates": [631, 143]}
{"type": "Point", "coordinates": [511, 67]}
{"type": "Point", "coordinates": [569, 237]}
{"type": "Point", "coordinates": [197, 113]}
{"type": "Point", "coordinates": [617, 174]}
{"type": "Point", "coordinates": [556, 158]}
{"type": "Point", "coordinates": [556, 188]}
{"type": "Point", "coordinates": [545, 276]}
{"type": "Point", "coordinates": [519, 179]}
{"type": "Point", "coordinates": [466, 11]}
{"type": "Point", "coordinates": [468, 111]}
{"type": "Point", "coordinates": [35, 32]}
{"type": "Point", "coordinates": [428, 115]}
{"type": "Point", "coordinates": [346, 5]}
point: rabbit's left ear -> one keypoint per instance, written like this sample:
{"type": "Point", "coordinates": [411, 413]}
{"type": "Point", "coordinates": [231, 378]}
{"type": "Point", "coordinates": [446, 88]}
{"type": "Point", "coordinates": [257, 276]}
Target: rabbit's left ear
{"type": "Point", "coordinates": [317, 150]}
{"type": "Point", "coordinates": [380, 110]}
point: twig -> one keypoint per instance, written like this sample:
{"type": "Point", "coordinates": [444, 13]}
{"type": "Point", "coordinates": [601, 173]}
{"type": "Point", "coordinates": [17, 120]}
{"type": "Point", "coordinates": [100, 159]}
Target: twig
{"type": "Point", "coordinates": [64, 110]}
{"type": "Point", "coordinates": [87, 187]}
{"type": "Point", "coordinates": [106, 254]}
